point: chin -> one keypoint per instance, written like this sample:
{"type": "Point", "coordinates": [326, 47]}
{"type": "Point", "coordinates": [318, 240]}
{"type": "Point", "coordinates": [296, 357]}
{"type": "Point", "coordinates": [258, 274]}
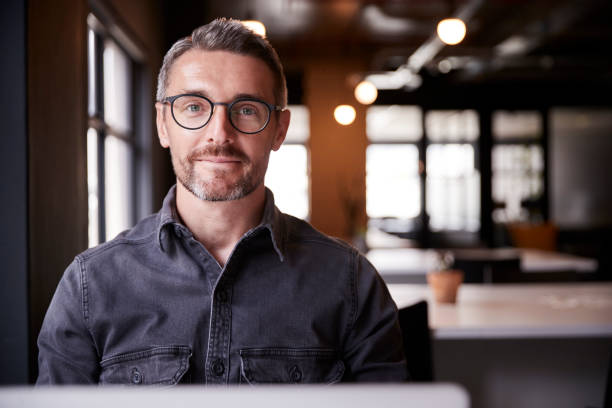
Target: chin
{"type": "Point", "coordinates": [211, 191]}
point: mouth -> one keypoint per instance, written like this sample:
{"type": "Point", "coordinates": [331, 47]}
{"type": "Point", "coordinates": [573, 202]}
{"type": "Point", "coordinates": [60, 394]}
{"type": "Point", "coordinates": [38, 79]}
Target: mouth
{"type": "Point", "coordinates": [219, 159]}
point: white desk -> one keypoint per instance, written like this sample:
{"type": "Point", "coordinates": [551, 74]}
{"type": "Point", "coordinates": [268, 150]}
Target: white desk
{"type": "Point", "coordinates": [409, 265]}
{"type": "Point", "coordinates": [534, 260]}
{"type": "Point", "coordinates": [516, 310]}
{"type": "Point", "coordinates": [524, 345]}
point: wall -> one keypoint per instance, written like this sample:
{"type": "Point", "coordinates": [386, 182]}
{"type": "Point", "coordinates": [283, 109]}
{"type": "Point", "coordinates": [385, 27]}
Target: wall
{"type": "Point", "coordinates": [337, 153]}
{"type": "Point", "coordinates": [13, 196]}
{"type": "Point", "coordinates": [57, 124]}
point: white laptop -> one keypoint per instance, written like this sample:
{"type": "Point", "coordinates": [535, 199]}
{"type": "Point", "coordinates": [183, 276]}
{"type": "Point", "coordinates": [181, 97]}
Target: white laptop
{"type": "Point", "coordinates": [303, 396]}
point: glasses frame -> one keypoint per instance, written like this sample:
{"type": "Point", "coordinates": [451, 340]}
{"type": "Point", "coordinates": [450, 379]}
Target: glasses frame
{"type": "Point", "coordinates": [271, 108]}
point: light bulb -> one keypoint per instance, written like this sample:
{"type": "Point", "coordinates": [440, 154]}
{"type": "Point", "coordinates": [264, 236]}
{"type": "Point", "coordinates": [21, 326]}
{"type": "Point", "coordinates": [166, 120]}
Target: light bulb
{"type": "Point", "coordinates": [366, 92]}
{"type": "Point", "coordinates": [344, 114]}
{"type": "Point", "coordinates": [451, 31]}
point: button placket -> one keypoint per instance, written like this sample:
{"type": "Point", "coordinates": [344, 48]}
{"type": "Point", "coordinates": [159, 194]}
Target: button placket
{"type": "Point", "coordinates": [218, 342]}
{"type": "Point", "coordinates": [221, 295]}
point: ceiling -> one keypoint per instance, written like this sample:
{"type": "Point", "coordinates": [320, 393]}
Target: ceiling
{"type": "Point", "coordinates": [526, 40]}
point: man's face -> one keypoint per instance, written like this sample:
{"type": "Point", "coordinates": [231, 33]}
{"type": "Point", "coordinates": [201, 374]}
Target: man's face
{"type": "Point", "coordinates": [217, 162]}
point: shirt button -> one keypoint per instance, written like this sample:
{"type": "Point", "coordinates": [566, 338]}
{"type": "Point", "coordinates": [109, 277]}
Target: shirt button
{"type": "Point", "coordinates": [295, 374]}
{"type": "Point", "coordinates": [136, 376]}
{"type": "Point", "coordinates": [218, 368]}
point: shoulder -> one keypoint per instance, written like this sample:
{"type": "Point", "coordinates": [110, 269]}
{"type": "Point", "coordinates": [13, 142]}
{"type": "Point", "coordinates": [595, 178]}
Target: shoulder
{"type": "Point", "coordinates": [300, 232]}
{"type": "Point", "coordinates": [142, 234]}
{"type": "Point", "coordinates": [302, 239]}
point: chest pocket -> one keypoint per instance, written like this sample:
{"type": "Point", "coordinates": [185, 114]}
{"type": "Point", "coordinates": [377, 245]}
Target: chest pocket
{"type": "Point", "coordinates": [156, 365]}
{"type": "Point", "coordinates": [284, 365]}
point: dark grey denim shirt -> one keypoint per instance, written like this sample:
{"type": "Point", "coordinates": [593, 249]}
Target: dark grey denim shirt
{"type": "Point", "coordinates": [152, 306]}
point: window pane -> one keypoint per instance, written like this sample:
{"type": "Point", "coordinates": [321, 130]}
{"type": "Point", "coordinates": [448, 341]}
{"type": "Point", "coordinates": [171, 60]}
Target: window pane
{"type": "Point", "coordinates": [117, 88]}
{"type": "Point", "coordinates": [392, 181]}
{"type": "Point", "coordinates": [299, 128]}
{"type": "Point", "coordinates": [453, 188]}
{"type": "Point", "coordinates": [93, 192]}
{"type": "Point", "coordinates": [517, 176]}
{"type": "Point", "coordinates": [118, 185]}
{"type": "Point", "coordinates": [91, 73]}
{"type": "Point", "coordinates": [394, 123]}
{"type": "Point", "coordinates": [517, 125]}
{"type": "Point", "coordinates": [452, 125]}
{"type": "Point", "coordinates": [287, 177]}
{"type": "Point", "coordinates": [580, 157]}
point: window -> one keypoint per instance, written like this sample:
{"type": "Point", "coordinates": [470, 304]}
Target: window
{"type": "Point", "coordinates": [287, 174]}
{"type": "Point", "coordinates": [453, 181]}
{"type": "Point", "coordinates": [112, 140]}
{"type": "Point", "coordinates": [393, 186]}
{"type": "Point", "coordinates": [517, 164]}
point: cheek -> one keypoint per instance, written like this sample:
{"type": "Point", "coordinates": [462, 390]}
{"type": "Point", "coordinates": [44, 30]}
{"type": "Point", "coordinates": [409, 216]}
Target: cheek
{"type": "Point", "coordinates": [181, 143]}
{"type": "Point", "coordinates": [259, 152]}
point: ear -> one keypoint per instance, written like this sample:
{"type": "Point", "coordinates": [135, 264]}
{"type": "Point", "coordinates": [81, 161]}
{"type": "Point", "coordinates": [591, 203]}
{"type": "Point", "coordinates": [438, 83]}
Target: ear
{"type": "Point", "coordinates": [284, 117]}
{"type": "Point", "coordinates": [160, 121]}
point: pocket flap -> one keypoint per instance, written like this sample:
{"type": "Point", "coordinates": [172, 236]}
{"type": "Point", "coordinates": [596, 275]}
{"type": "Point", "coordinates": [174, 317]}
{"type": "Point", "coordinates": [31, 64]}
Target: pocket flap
{"type": "Point", "coordinates": [284, 365]}
{"type": "Point", "coordinates": [156, 365]}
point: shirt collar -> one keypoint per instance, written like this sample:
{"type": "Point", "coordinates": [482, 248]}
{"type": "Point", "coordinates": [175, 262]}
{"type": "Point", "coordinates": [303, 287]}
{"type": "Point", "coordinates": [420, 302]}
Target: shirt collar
{"type": "Point", "coordinates": [167, 215]}
{"type": "Point", "coordinates": [271, 220]}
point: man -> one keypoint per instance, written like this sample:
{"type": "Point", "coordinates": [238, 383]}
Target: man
{"type": "Point", "coordinates": [219, 286]}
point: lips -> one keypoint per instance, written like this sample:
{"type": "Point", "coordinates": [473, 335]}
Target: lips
{"type": "Point", "coordinates": [218, 154]}
{"type": "Point", "coordinates": [216, 159]}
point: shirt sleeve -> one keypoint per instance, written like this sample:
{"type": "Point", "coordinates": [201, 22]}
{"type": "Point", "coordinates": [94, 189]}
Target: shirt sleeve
{"type": "Point", "coordinates": [374, 350]}
{"type": "Point", "coordinates": [66, 351]}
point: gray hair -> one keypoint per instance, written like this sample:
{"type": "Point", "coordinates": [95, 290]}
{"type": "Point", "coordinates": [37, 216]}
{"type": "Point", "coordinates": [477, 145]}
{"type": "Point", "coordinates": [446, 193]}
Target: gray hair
{"type": "Point", "coordinates": [224, 34]}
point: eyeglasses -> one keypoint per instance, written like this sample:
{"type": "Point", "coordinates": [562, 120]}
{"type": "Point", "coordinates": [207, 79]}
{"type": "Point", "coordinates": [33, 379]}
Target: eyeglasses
{"type": "Point", "coordinates": [247, 115]}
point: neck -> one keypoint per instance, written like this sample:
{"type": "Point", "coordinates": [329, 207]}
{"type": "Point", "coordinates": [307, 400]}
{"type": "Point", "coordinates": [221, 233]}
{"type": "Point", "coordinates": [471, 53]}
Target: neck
{"type": "Point", "coordinates": [219, 225]}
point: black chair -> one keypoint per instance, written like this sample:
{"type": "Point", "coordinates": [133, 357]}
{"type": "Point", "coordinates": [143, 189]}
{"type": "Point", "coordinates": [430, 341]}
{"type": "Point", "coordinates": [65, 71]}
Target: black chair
{"type": "Point", "coordinates": [608, 391]}
{"type": "Point", "coordinates": [417, 341]}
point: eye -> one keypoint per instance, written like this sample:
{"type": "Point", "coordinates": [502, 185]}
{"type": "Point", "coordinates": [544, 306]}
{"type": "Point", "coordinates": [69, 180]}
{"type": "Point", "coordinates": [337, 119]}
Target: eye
{"type": "Point", "coordinates": [190, 105]}
{"type": "Point", "coordinates": [245, 110]}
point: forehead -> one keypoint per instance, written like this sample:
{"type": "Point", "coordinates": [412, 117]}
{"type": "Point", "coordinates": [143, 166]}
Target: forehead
{"type": "Point", "coordinates": [220, 75]}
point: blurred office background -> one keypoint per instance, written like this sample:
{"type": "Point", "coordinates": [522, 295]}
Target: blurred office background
{"type": "Point", "coordinates": [511, 127]}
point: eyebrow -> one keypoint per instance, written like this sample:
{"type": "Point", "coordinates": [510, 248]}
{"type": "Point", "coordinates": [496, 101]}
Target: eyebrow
{"type": "Point", "coordinates": [192, 92]}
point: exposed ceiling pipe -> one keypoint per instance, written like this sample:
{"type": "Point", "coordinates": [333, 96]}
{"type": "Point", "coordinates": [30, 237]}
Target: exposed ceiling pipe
{"type": "Point", "coordinates": [430, 48]}
{"type": "Point", "coordinates": [406, 75]}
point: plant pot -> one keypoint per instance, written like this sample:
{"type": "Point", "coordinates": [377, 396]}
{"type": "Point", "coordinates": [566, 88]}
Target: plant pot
{"type": "Point", "coordinates": [445, 284]}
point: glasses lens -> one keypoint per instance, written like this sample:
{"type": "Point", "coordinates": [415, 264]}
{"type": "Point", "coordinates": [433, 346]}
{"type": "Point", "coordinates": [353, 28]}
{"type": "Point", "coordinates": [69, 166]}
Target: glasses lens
{"type": "Point", "coordinates": [249, 116]}
{"type": "Point", "coordinates": [191, 111]}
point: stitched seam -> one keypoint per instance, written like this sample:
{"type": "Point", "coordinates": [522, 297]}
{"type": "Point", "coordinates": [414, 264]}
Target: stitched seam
{"type": "Point", "coordinates": [137, 355]}
{"type": "Point", "coordinates": [85, 301]}
{"type": "Point", "coordinates": [353, 295]}
{"type": "Point", "coordinates": [84, 292]}
{"type": "Point", "coordinates": [331, 244]}
{"type": "Point", "coordinates": [115, 242]}
{"type": "Point", "coordinates": [288, 352]}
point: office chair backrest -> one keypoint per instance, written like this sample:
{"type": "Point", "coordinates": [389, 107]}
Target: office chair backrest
{"type": "Point", "coordinates": [417, 341]}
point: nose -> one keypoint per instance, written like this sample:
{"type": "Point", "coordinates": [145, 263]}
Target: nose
{"type": "Point", "coordinates": [219, 130]}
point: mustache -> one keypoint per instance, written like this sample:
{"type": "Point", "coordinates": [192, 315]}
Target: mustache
{"type": "Point", "coordinates": [216, 151]}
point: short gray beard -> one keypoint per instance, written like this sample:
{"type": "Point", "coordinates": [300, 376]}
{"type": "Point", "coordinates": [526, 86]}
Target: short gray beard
{"type": "Point", "coordinates": [205, 190]}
